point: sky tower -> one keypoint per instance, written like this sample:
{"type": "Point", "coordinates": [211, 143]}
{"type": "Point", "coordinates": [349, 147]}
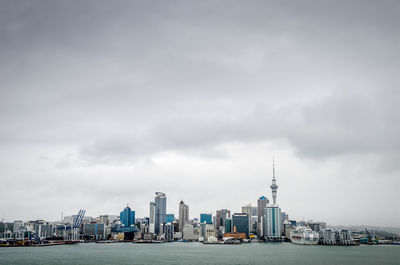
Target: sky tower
{"type": "Point", "coordinates": [274, 187]}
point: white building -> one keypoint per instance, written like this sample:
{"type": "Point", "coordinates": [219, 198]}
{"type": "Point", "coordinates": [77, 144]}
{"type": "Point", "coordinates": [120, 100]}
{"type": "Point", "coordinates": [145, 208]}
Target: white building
{"type": "Point", "coordinates": [152, 217]}
{"type": "Point", "coordinates": [210, 231]}
{"type": "Point", "coordinates": [272, 222]}
{"type": "Point", "coordinates": [187, 232]}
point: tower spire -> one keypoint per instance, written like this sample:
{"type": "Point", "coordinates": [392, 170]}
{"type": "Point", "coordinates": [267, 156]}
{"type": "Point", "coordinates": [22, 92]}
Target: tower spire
{"type": "Point", "coordinates": [274, 187]}
{"type": "Point", "coordinates": [273, 167]}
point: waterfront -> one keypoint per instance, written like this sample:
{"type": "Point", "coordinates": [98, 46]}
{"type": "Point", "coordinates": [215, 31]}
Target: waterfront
{"type": "Point", "coordinates": [196, 253]}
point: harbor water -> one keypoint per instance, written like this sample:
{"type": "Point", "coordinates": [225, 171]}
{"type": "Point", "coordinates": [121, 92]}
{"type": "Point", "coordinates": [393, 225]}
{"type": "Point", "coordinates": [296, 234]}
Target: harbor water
{"type": "Point", "coordinates": [196, 253]}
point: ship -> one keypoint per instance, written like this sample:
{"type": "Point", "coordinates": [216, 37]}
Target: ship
{"type": "Point", "coordinates": [304, 236]}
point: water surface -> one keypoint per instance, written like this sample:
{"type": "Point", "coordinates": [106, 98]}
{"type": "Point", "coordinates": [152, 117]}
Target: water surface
{"type": "Point", "coordinates": [196, 253]}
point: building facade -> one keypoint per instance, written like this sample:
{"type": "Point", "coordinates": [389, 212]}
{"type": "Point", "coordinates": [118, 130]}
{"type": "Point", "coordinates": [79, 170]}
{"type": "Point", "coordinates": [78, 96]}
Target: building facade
{"type": "Point", "coordinates": [247, 209]}
{"type": "Point", "coordinates": [127, 217]}
{"type": "Point", "coordinates": [240, 223]}
{"type": "Point", "coordinates": [160, 212]}
{"type": "Point", "coordinates": [206, 218]}
{"type": "Point", "coordinates": [183, 214]}
{"type": "Point", "coordinates": [261, 204]}
{"type": "Point", "coordinates": [152, 217]}
{"type": "Point", "coordinates": [187, 232]}
{"type": "Point", "coordinates": [169, 218]}
{"type": "Point", "coordinates": [273, 223]}
{"type": "Point", "coordinates": [169, 232]}
{"type": "Point", "coordinates": [228, 225]}
{"type": "Point", "coordinates": [220, 218]}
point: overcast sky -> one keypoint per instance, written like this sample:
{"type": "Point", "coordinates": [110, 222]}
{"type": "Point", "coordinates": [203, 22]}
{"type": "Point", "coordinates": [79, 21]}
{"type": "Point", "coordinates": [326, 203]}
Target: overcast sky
{"type": "Point", "coordinates": [103, 103]}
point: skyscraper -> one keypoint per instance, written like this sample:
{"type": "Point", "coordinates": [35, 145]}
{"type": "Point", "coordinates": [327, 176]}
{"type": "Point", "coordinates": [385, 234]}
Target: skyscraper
{"type": "Point", "coordinates": [152, 217]}
{"type": "Point", "coordinates": [274, 187]}
{"type": "Point", "coordinates": [183, 214]}
{"type": "Point", "coordinates": [261, 204]}
{"type": "Point", "coordinates": [228, 225]}
{"type": "Point", "coordinates": [240, 223]}
{"type": "Point", "coordinates": [247, 209]}
{"type": "Point", "coordinates": [221, 216]}
{"type": "Point", "coordinates": [160, 212]}
{"type": "Point", "coordinates": [273, 224]}
{"type": "Point", "coordinates": [127, 217]}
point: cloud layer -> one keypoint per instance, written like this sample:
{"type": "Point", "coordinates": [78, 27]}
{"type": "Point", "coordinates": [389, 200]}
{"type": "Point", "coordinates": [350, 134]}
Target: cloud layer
{"type": "Point", "coordinates": [105, 103]}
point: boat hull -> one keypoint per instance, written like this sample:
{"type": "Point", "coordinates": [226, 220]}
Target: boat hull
{"type": "Point", "coordinates": [302, 241]}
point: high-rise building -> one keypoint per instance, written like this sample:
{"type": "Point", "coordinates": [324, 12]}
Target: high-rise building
{"type": "Point", "coordinates": [127, 217]}
{"type": "Point", "coordinates": [221, 216]}
{"type": "Point", "coordinates": [228, 225]}
{"type": "Point", "coordinates": [240, 223]}
{"type": "Point", "coordinates": [203, 230]}
{"type": "Point", "coordinates": [183, 214]}
{"type": "Point", "coordinates": [261, 204]}
{"type": "Point", "coordinates": [206, 217]}
{"type": "Point", "coordinates": [254, 211]}
{"type": "Point", "coordinates": [169, 232]}
{"type": "Point", "coordinates": [273, 224]}
{"type": "Point", "coordinates": [152, 218]}
{"type": "Point", "coordinates": [160, 212]}
{"type": "Point", "coordinates": [247, 209]}
{"type": "Point", "coordinates": [169, 218]}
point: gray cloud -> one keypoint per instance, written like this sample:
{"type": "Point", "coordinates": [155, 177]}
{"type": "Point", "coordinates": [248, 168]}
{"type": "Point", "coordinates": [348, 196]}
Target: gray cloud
{"type": "Point", "coordinates": [135, 91]}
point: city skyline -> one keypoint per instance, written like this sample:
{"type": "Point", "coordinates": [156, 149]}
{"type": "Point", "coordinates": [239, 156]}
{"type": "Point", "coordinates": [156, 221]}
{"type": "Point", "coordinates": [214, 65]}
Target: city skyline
{"type": "Point", "coordinates": [104, 103]}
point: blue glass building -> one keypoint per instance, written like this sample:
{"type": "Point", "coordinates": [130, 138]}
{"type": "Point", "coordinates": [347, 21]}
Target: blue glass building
{"type": "Point", "coordinates": [206, 217]}
{"type": "Point", "coordinates": [160, 212]}
{"type": "Point", "coordinates": [127, 217]}
{"type": "Point", "coordinates": [169, 218]}
{"type": "Point", "coordinates": [228, 225]}
{"type": "Point", "coordinates": [240, 221]}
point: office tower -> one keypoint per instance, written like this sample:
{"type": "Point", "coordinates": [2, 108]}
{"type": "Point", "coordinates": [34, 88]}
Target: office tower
{"type": "Point", "coordinates": [228, 225]}
{"type": "Point", "coordinates": [203, 230]}
{"type": "Point", "coordinates": [104, 219]}
{"type": "Point", "coordinates": [273, 224]}
{"type": "Point", "coordinates": [169, 218]}
{"type": "Point", "coordinates": [160, 212]}
{"type": "Point", "coordinates": [169, 232]}
{"type": "Point", "coordinates": [247, 209]}
{"type": "Point", "coordinates": [261, 204]}
{"type": "Point", "coordinates": [127, 217]}
{"type": "Point", "coordinates": [206, 217]}
{"type": "Point", "coordinates": [240, 223]}
{"type": "Point", "coordinates": [152, 217]}
{"type": "Point", "coordinates": [254, 211]}
{"type": "Point", "coordinates": [221, 216]}
{"type": "Point", "coordinates": [274, 187]}
{"type": "Point", "coordinates": [187, 232]}
{"type": "Point", "coordinates": [183, 214]}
